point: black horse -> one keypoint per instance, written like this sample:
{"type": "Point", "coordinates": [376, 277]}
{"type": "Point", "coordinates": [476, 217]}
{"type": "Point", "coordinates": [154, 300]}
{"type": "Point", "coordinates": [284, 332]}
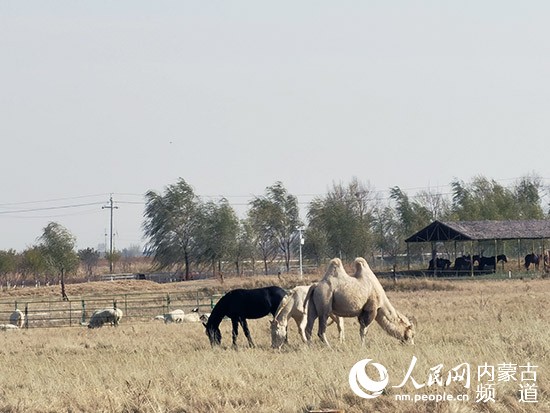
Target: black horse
{"type": "Point", "coordinates": [441, 264]}
{"type": "Point", "coordinates": [463, 263]}
{"type": "Point", "coordinates": [239, 305]}
{"type": "Point", "coordinates": [491, 261]}
{"type": "Point", "coordinates": [532, 259]}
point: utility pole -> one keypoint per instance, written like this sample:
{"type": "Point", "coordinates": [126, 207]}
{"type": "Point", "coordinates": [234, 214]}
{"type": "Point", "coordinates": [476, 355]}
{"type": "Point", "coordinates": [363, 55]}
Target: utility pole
{"type": "Point", "coordinates": [111, 207]}
{"type": "Point", "coordinates": [301, 242]}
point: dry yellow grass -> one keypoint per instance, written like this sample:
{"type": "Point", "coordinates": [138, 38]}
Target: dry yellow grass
{"type": "Point", "coordinates": [150, 367]}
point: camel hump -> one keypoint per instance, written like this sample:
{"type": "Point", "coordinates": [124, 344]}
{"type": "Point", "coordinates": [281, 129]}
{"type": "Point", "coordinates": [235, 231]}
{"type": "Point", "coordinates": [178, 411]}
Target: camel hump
{"type": "Point", "coordinates": [336, 262]}
{"type": "Point", "coordinates": [360, 262]}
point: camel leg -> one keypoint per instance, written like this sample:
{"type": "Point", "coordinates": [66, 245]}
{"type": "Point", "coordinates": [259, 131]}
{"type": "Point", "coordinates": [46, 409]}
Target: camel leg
{"type": "Point", "coordinates": [323, 328]}
{"type": "Point", "coordinates": [340, 325]}
{"type": "Point", "coordinates": [366, 318]}
{"type": "Point", "coordinates": [244, 325]}
{"type": "Point", "coordinates": [311, 317]}
{"type": "Point", "coordinates": [235, 331]}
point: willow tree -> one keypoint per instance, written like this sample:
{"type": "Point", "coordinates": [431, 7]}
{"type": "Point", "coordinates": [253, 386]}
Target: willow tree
{"type": "Point", "coordinates": [171, 220]}
{"type": "Point", "coordinates": [486, 199]}
{"type": "Point", "coordinates": [217, 239]}
{"type": "Point", "coordinates": [58, 247]}
{"type": "Point", "coordinates": [341, 221]}
{"type": "Point", "coordinates": [275, 218]}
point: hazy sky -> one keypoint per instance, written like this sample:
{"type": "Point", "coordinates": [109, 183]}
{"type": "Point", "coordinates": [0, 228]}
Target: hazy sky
{"type": "Point", "coordinates": [123, 97]}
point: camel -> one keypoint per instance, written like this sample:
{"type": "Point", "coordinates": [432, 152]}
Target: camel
{"type": "Point", "coordinates": [360, 296]}
{"type": "Point", "coordinates": [292, 306]}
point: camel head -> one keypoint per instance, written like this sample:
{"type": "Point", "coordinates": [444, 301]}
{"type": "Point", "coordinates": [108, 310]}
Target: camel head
{"type": "Point", "coordinates": [409, 331]}
{"type": "Point", "coordinates": [278, 333]}
{"type": "Point", "coordinates": [335, 269]}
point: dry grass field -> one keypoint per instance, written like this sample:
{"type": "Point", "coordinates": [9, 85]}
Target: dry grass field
{"type": "Point", "coordinates": [153, 367]}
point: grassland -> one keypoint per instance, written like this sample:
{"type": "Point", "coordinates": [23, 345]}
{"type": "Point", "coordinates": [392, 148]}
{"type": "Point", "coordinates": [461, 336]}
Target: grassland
{"type": "Point", "coordinates": [151, 367]}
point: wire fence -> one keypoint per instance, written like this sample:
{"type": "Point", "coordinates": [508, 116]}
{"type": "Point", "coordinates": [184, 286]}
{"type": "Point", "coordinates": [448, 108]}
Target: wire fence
{"type": "Point", "coordinates": [136, 307]}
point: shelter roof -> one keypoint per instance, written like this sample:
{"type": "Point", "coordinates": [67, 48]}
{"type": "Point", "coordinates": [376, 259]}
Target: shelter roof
{"type": "Point", "coordinates": [482, 230]}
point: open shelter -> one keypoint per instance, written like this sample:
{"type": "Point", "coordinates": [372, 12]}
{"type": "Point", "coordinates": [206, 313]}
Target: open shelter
{"type": "Point", "coordinates": [476, 231]}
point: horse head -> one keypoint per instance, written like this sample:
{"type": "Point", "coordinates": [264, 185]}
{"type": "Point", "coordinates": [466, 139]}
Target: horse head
{"type": "Point", "coordinates": [278, 333]}
{"type": "Point", "coordinates": [214, 334]}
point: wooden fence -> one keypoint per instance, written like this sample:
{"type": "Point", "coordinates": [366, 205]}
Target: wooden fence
{"type": "Point", "coordinates": [136, 307]}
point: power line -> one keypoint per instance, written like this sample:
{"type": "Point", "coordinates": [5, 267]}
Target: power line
{"type": "Point", "coordinates": [18, 211]}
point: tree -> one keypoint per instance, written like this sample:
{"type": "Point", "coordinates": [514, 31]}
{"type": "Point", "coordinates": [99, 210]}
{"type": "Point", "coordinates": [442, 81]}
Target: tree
{"type": "Point", "coordinates": [58, 246]}
{"type": "Point", "coordinates": [216, 241]}
{"type": "Point", "coordinates": [277, 216]}
{"type": "Point", "coordinates": [170, 224]}
{"type": "Point", "coordinates": [8, 262]}
{"type": "Point", "coordinates": [263, 232]}
{"type": "Point", "coordinates": [89, 258]}
{"type": "Point", "coordinates": [484, 199]}
{"type": "Point", "coordinates": [33, 262]}
{"type": "Point", "coordinates": [245, 248]}
{"type": "Point", "coordinates": [345, 217]}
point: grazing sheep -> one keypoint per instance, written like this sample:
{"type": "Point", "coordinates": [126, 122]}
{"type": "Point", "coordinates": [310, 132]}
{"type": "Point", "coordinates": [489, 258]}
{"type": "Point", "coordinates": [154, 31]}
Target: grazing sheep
{"type": "Point", "coordinates": [175, 316]}
{"type": "Point", "coordinates": [105, 315]}
{"type": "Point", "coordinates": [191, 318]}
{"type": "Point", "coordinates": [179, 316]}
{"type": "Point", "coordinates": [8, 327]}
{"type": "Point", "coordinates": [17, 318]}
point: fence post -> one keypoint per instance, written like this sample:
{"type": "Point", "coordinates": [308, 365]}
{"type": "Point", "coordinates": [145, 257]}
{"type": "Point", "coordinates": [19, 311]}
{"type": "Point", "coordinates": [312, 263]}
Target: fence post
{"type": "Point", "coordinates": [168, 302]}
{"type": "Point", "coordinates": [70, 315]}
{"type": "Point", "coordinates": [26, 315]}
{"type": "Point", "coordinates": [83, 320]}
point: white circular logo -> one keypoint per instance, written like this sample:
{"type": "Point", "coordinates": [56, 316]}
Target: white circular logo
{"type": "Point", "coordinates": [358, 379]}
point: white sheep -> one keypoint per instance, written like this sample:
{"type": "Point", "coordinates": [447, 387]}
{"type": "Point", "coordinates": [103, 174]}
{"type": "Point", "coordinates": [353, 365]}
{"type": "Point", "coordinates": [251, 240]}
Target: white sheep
{"type": "Point", "coordinates": [17, 318]}
{"type": "Point", "coordinates": [8, 327]}
{"type": "Point", "coordinates": [105, 315]}
{"type": "Point", "coordinates": [179, 316]}
{"type": "Point", "coordinates": [175, 316]}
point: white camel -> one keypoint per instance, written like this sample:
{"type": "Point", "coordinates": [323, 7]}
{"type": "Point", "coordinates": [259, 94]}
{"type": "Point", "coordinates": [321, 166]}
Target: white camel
{"type": "Point", "coordinates": [360, 296]}
{"type": "Point", "coordinates": [292, 306]}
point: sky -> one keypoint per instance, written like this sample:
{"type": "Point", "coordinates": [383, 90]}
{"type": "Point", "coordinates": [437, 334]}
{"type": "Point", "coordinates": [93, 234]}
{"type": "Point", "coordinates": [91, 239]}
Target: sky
{"type": "Point", "coordinates": [116, 98]}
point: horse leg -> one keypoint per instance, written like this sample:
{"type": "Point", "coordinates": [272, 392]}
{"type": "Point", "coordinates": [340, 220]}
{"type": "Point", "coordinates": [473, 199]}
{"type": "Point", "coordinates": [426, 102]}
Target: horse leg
{"type": "Point", "coordinates": [235, 332]}
{"type": "Point", "coordinates": [244, 325]}
{"type": "Point", "coordinates": [301, 322]}
{"type": "Point", "coordinates": [366, 318]}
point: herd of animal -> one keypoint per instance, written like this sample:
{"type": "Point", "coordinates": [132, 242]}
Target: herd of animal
{"type": "Point", "coordinates": [478, 262]}
{"type": "Point", "coordinates": [338, 295]}
{"type": "Point", "coordinates": [467, 262]}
